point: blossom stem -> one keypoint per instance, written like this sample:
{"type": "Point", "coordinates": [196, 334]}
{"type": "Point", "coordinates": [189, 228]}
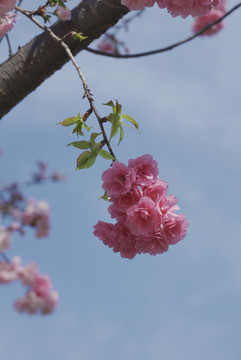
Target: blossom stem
{"type": "Point", "coordinates": [87, 92]}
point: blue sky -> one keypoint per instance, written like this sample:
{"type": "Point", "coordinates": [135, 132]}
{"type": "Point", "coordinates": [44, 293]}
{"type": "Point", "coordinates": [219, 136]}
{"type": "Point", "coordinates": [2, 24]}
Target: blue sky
{"type": "Point", "coordinates": [184, 304]}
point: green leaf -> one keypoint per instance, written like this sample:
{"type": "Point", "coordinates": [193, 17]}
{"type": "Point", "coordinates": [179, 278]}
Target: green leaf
{"type": "Point", "coordinates": [69, 121]}
{"type": "Point", "coordinates": [121, 135]}
{"type": "Point", "coordinates": [104, 197]}
{"type": "Point", "coordinates": [86, 160]}
{"type": "Point", "coordinates": [106, 155]}
{"type": "Point", "coordinates": [80, 144]}
{"type": "Point", "coordinates": [115, 120]}
{"type": "Point", "coordinates": [79, 36]}
{"type": "Point", "coordinates": [80, 125]}
{"type": "Point", "coordinates": [61, 3]}
{"type": "Point", "coordinates": [133, 121]}
{"type": "Point", "coordinates": [118, 107]}
{"type": "Point", "coordinates": [93, 136]}
{"type": "Point", "coordinates": [110, 103]}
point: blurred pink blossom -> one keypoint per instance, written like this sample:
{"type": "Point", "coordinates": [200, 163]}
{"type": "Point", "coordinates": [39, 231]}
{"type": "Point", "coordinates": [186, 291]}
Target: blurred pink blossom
{"type": "Point", "coordinates": [40, 297]}
{"type": "Point", "coordinates": [9, 270]}
{"type": "Point", "coordinates": [6, 23]}
{"type": "Point", "coordinates": [32, 303]}
{"type": "Point", "coordinates": [190, 7]}
{"type": "Point", "coordinates": [202, 21]}
{"type": "Point", "coordinates": [28, 273]}
{"type": "Point", "coordinates": [63, 13]}
{"type": "Point", "coordinates": [37, 214]}
{"type": "Point", "coordinates": [137, 4]}
{"type": "Point", "coordinates": [107, 46]}
{"type": "Point", "coordinates": [175, 7]}
{"type": "Point", "coordinates": [5, 238]}
{"type": "Point", "coordinates": [6, 5]}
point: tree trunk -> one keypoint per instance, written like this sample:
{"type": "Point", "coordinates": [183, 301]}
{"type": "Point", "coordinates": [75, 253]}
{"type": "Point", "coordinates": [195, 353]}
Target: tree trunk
{"type": "Point", "coordinates": [42, 56]}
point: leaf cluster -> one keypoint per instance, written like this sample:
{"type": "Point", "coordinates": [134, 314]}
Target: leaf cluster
{"type": "Point", "coordinates": [88, 157]}
{"type": "Point", "coordinates": [116, 119]}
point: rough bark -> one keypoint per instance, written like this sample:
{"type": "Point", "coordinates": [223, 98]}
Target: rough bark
{"type": "Point", "coordinates": [42, 56]}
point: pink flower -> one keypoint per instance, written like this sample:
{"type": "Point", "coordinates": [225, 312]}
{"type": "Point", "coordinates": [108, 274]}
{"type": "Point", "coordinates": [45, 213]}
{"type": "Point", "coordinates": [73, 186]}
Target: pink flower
{"type": "Point", "coordinates": [27, 274]}
{"type": "Point", "coordinates": [104, 231]}
{"type": "Point", "coordinates": [174, 227]}
{"type": "Point", "coordinates": [153, 244]}
{"type": "Point", "coordinates": [6, 23]}
{"type": "Point", "coordinates": [145, 168]}
{"type": "Point", "coordinates": [146, 217]}
{"type": "Point", "coordinates": [37, 214]}
{"type": "Point", "coordinates": [63, 13]}
{"type": "Point", "coordinates": [6, 5]}
{"type": "Point", "coordinates": [32, 303]}
{"type": "Point", "coordinates": [118, 179]}
{"type": "Point", "coordinates": [125, 242]}
{"type": "Point", "coordinates": [123, 202]}
{"type": "Point", "coordinates": [143, 218]}
{"type": "Point", "coordinates": [9, 271]}
{"type": "Point", "coordinates": [187, 7]}
{"type": "Point", "coordinates": [40, 298]}
{"type": "Point", "coordinates": [137, 4]}
{"type": "Point", "coordinates": [5, 238]}
{"type": "Point", "coordinates": [107, 46]}
{"type": "Point", "coordinates": [202, 21]}
{"type": "Point", "coordinates": [156, 190]}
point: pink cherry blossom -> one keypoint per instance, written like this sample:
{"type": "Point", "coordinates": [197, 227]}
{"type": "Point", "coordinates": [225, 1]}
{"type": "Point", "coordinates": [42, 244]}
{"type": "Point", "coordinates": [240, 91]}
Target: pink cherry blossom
{"type": "Point", "coordinates": [5, 238]}
{"type": "Point", "coordinates": [37, 214]}
{"type": "Point", "coordinates": [137, 4]}
{"type": "Point", "coordinates": [107, 46]}
{"type": "Point", "coordinates": [118, 179]}
{"type": "Point", "coordinates": [27, 274]}
{"type": "Point", "coordinates": [32, 303]}
{"type": "Point", "coordinates": [146, 217]}
{"type": "Point", "coordinates": [104, 231]}
{"type": "Point", "coordinates": [40, 298]}
{"type": "Point", "coordinates": [187, 7]}
{"type": "Point", "coordinates": [202, 21]}
{"type": "Point", "coordinates": [6, 5]}
{"type": "Point", "coordinates": [63, 13]}
{"type": "Point", "coordinates": [143, 218]}
{"type": "Point", "coordinates": [156, 190]}
{"type": "Point", "coordinates": [9, 270]}
{"type": "Point", "coordinates": [6, 23]}
{"type": "Point", "coordinates": [153, 244]}
{"type": "Point", "coordinates": [123, 202]}
{"type": "Point", "coordinates": [145, 168]}
{"type": "Point", "coordinates": [174, 227]}
{"type": "Point", "coordinates": [124, 240]}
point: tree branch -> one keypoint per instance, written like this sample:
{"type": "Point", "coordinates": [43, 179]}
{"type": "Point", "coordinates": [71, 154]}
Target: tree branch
{"type": "Point", "coordinates": [166, 48]}
{"type": "Point", "coordinates": [42, 56]}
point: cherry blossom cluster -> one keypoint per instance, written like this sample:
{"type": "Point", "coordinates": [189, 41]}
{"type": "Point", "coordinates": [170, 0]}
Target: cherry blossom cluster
{"type": "Point", "coordinates": [215, 14]}
{"type": "Point", "coordinates": [7, 18]}
{"type": "Point", "coordinates": [18, 213]}
{"type": "Point", "coordinates": [147, 221]}
{"type": "Point", "coordinates": [175, 7]}
{"type": "Point", "coordinates": [40, 297]}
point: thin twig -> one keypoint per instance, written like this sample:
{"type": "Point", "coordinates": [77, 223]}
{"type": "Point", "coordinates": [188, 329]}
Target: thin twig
{"type": "Point", "coordinates": [9, 46]}
{"type": "Point", "coordinates": [76, 65]}
{"type": "Point", "coordinates": [167, 48]}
